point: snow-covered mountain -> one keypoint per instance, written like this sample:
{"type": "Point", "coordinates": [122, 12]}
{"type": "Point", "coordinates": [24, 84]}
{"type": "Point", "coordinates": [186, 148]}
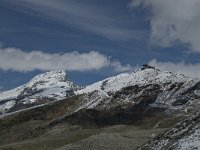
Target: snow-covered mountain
{"type": "Point", "coordinates": [166, 89]}
{"type": "Point", "coordinates": [162, 89]}
{"type": "Point", "coordinates": [43, 88]}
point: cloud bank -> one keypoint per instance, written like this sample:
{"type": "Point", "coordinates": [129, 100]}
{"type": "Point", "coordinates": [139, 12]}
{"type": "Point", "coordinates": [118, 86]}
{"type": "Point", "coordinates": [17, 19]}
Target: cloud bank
{"type": "Point", "coordinates": [172, 21]}
{"type": "Point", "coordinates": [191, 70]}
{"type": "Point", "coordinates": [22, 61]}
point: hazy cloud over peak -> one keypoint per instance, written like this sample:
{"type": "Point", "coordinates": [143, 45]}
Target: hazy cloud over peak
{"type": "Point", "coordinates": [191, 70]}
{"type": "Point", "coordinates": [22, 61]}
{"type": "Point", "coordinates": [172, 21]}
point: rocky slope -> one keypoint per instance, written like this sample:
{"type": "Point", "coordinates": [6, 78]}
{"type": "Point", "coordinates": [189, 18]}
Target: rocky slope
{"type": "Point", "coordinates": [43, 88]}
{"type": "Point", "coordinates": [183, 136]}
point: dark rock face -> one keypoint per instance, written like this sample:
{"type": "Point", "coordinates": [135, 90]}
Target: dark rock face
{"type": "Point", "coordinates": [145, 66]}
{"type": "Point", "coordinates": [180, 102]}
{"type": "Point", "coordinates": [118, 116]}
{"type": "Point", "coordinates": [117, 111]}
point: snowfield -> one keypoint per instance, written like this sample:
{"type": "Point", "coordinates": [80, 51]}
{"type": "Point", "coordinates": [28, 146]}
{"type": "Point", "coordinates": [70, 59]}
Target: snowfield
{"type": "Point", "coordinates": [139, 77]}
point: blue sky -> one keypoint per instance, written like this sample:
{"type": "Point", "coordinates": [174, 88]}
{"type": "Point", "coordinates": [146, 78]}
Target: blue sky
{"type": "Point", "coordinates": [94, 39]}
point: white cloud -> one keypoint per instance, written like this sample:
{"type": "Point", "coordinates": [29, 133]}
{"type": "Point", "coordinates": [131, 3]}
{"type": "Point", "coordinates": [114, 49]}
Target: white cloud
{"type": "Point", "coordinates": [191, 70]}
{"type": "Point", "coordinates": [22, 61]}
{"type": "Point", "coordinates": [173, 20]}
{"type": "Point", "coordinates": [118, 67]}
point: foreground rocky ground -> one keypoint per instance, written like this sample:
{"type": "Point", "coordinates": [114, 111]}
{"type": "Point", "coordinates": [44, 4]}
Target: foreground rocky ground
{"type": "Point", "coordinates": [75, 138]}
{"type": "Point", "coordinates": [185, 135]}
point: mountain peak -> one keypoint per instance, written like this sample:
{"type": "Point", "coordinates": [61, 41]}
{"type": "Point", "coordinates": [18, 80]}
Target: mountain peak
{"type": "Point", "coordinates": [49, 78]}
{"type": "Point", "coordinates": [144, 76]}
{"type": "Point", "coordinates": [145, 66]}
{"type": "Point", "coordinates": [45, 87]}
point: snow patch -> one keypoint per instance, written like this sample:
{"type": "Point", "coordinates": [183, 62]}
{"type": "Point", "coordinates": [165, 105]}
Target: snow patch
{"type": "Point", "coordinates": [6, 106]}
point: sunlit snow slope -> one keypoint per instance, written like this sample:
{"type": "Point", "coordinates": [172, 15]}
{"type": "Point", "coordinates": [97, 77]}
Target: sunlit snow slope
{"type": "Point", "coordinates": [44, 87]}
